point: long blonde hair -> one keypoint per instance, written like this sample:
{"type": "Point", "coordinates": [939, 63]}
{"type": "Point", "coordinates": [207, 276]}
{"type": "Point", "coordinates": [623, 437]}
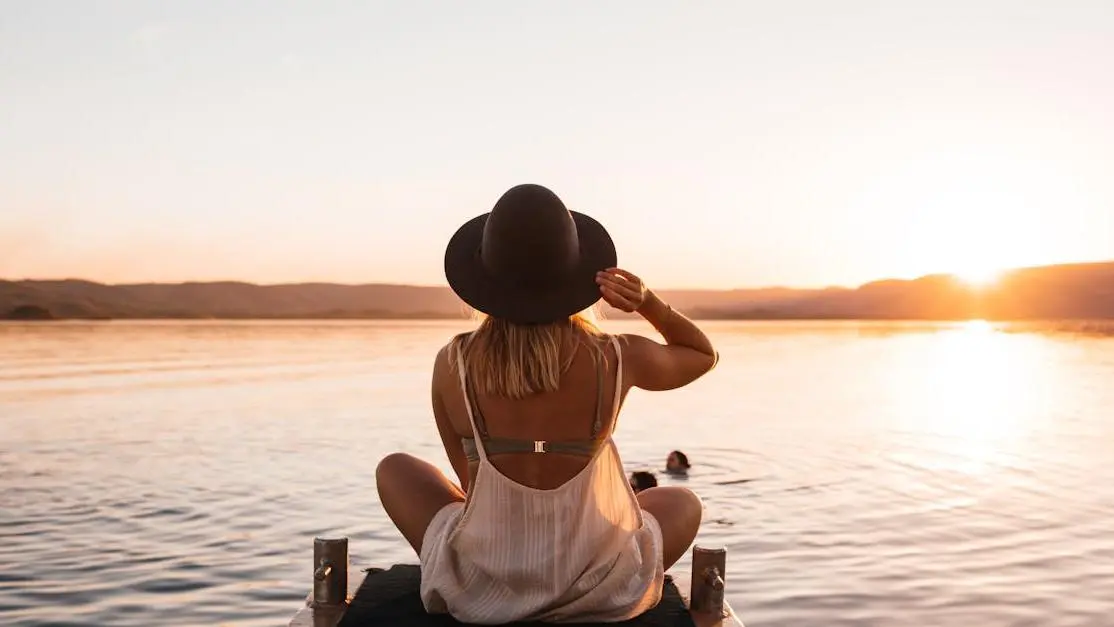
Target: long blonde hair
{"type": "Point", "coordinates": [514, 360]}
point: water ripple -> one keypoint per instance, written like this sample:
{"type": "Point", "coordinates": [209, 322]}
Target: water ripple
{"type": "Point", "coordinates": [176, 474]}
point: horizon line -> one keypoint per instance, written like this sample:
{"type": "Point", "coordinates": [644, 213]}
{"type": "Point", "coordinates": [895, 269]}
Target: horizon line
{"type": "Point", "coordinates": [953, 275]}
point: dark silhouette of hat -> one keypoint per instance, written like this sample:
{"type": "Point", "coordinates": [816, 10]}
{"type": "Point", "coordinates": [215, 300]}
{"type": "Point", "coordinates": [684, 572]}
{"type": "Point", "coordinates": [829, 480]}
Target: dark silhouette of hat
{"type": "Point", "coordinates": [529, 260]}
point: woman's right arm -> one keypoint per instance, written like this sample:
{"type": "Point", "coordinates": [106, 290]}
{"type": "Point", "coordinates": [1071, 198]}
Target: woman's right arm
{"type": "Point", "coordinates": [687, 353]}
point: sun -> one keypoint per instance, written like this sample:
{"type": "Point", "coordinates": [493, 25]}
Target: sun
{"type": "Point", "coordinates": [979, 275]}
{"type": "Point", "coordinates": [977, 267]}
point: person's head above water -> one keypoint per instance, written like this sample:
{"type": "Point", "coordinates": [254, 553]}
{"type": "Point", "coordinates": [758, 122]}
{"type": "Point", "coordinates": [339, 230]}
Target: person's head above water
{"type": "Point", "coordinates": [641, 480]}
{"type": "Point", "coordinates": [677, 462]}
{"type": "Point", "coordinates": [529, 265]}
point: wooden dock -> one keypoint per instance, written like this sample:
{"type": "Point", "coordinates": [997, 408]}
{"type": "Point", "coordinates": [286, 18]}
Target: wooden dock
{"type": "Point", "coordinates": [324, 606]}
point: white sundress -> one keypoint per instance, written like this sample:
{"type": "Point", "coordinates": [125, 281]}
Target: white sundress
{"type": "Point", "coordinates": [582, 552]}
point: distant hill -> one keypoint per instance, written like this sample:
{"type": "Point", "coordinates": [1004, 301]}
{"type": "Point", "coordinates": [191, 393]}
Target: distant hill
{"type": "Point", "coordinates": [1082, 291]}
{"type": "Point", "coordinates": [230, 300]}
{"type": "Point", "coordinates": [1071, 291]}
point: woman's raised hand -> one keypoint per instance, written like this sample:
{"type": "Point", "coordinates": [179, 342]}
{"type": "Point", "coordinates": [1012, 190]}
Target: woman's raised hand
{"type": "Point", "coordinates": [621, 289]}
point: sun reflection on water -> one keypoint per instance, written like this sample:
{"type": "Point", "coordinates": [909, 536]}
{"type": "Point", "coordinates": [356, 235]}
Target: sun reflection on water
{"type": "Point", "coordinates": [976, 393]}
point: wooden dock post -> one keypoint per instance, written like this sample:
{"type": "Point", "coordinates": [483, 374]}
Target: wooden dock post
{"type": "Point", "coordinates": [330, 571]}
{"type": "Point", "coordinates": [709, 572]}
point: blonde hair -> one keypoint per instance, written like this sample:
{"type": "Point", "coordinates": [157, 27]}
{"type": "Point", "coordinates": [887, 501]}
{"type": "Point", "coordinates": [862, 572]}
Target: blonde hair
{"type": "Point", "coordinates": [512, 360]}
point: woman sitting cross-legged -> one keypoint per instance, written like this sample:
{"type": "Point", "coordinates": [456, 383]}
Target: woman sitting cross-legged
{"type": "Point", "coordinates": [544, 524]}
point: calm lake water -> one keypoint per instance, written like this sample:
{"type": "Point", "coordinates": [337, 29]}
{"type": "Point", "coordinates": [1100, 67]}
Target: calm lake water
{"type": "Point", "coordinates": [860, 474]}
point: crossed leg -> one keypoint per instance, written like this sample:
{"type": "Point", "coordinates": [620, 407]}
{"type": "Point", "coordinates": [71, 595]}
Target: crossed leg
{"type": "Point", "coordinates": [678, 512]}
{"type": "Point", "coordinates": [412, 491]}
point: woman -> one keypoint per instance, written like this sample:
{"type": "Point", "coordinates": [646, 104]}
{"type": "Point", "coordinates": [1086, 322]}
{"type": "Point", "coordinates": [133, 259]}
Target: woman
{"type": "Point", "coordinates": [544, 525]}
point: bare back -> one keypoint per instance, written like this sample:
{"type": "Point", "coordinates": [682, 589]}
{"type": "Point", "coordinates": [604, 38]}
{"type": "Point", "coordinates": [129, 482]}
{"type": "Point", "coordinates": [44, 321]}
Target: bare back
{"type": "Point", "coordinates": [565, 414]}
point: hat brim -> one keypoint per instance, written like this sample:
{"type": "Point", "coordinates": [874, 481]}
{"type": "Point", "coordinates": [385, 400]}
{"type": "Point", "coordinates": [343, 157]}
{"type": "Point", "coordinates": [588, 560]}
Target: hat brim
{"type": "Point", "coordinates": [471, 281]}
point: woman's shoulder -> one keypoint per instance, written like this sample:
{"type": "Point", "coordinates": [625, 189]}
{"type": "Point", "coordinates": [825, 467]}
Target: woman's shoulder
{"type": "Point", "coordinates": [456, 340]}
{"type": "Point", "coordinates": [627, 340]}
{"type": "Point", "coordinates": [635, 346]}
{"type": "Point", "coordinates": [448, 352]}
{"type": "Point", "coordinates": [445, 363]}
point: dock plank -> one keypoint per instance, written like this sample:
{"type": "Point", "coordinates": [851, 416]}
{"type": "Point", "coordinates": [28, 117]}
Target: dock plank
{"type": "Point", "coordinates": [729, 618]}
{"type": "Point", "coordinates": [309, 616]}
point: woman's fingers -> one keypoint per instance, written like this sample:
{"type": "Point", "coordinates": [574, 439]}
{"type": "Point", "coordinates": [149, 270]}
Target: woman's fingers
{"type": "Point", "coordinates": [612, 281]}
{"type": "Point", "coordinates": [631, 291]}
{"type": "Point", "coordinates": [626, 275]}
{"type": "Point", "coordinates": [611, 293]}
{"type": "Point", "coordinates": [616, 299]}
{"type": "Point", "coordinates": [620, 285]}
{"type": "Point", "coordinates": [626, 279]}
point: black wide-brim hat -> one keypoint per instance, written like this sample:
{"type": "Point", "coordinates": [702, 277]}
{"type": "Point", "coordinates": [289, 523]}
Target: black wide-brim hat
{"type": "Point", "coordinates": [530, 260]}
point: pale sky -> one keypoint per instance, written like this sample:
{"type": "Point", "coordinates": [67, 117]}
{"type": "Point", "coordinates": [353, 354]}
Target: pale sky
{"type": "Point", "coordinates": [723, 144]}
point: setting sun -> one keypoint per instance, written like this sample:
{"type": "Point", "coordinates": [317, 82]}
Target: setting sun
{"type": "Point", "coordinates": [979, 276]}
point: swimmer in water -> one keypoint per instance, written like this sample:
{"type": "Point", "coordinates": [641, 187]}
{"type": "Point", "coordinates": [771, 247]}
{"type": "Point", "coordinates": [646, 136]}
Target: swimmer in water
{"type": "Point", "coordinates": [677, 463]}
{"type": "Point", "coordinates": [642, 480]}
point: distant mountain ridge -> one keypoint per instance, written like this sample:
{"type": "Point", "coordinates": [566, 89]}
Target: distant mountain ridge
{"type": "Point", "coordinates": [1068, 291]}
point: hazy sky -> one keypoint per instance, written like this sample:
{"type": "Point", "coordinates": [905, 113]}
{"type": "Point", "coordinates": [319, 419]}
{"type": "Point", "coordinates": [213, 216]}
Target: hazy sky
{"type": "Point", "coordinates": [722, 143]}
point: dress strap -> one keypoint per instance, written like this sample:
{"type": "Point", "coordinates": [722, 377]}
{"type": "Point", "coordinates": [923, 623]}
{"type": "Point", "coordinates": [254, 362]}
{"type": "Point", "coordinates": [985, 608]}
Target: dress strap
{"type": "Point", "coordinates": [466, 389]}
{"type": "Point", "coordinates": [479, 424]}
